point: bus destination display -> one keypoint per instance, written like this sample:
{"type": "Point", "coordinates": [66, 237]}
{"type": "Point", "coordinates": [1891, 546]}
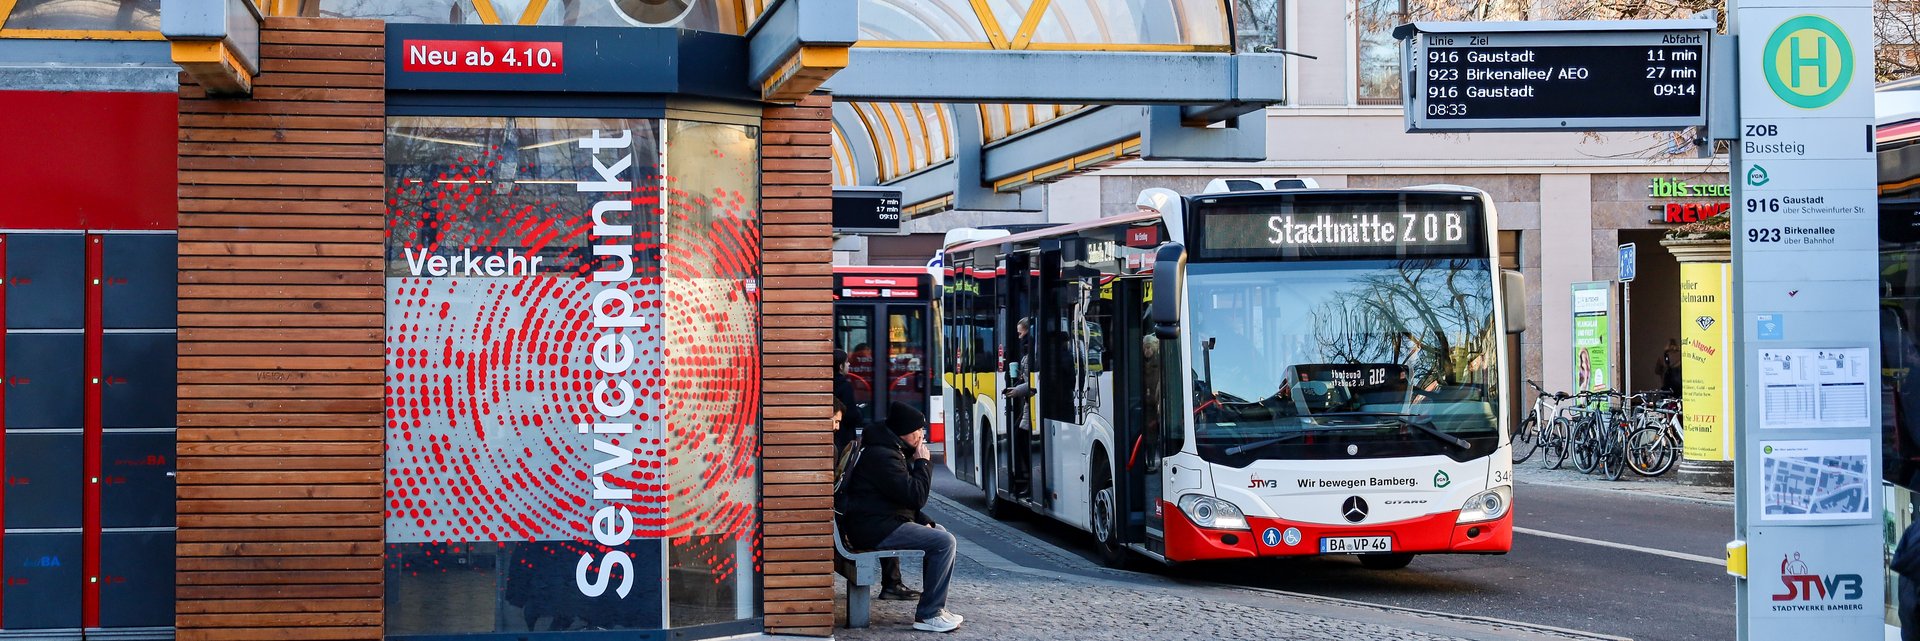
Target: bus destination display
{"type": "Point", "coordinates": [1342, 232]}
{"type": "Point", "coordinates": [1533, 81]}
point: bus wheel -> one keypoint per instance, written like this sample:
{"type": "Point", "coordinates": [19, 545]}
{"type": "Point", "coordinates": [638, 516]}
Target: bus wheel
{"type": "Point", "coordinates": [1106, 528]}
{"type": "Point", "coordinates": [1385, 561]}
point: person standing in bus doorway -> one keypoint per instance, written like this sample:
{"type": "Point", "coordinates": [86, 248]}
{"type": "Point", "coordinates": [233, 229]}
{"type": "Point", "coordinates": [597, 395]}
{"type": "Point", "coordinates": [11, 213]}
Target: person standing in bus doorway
{"type": "Point", "coordinates": [880, 509]}
{"type": "Point", "coordinates": [1023, 372]}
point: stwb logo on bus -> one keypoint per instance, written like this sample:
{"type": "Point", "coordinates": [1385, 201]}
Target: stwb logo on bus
{"type": "Point", "coordinates": [1818, 590]}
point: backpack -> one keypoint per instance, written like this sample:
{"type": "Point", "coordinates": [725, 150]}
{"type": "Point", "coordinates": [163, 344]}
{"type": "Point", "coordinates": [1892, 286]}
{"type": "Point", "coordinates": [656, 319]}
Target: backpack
{"type": "Point", "coordinates": [844, 464]}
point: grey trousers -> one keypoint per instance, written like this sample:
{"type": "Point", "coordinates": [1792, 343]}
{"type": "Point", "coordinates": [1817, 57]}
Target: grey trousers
{"type": "Point", "coordinates": [937, 568]}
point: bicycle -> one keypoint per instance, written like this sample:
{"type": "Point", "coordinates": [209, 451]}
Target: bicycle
{"type": "Point", "coordinates": [1654, 445]}
{"type": "Point", "coordinates": [1584, 436]}
{"type": "Point", "coordinates": [1531, 435]}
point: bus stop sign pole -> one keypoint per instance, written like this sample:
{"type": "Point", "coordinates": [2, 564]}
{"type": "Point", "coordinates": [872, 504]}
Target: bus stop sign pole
{"type": "Point", "coordinates": [1807, 478]}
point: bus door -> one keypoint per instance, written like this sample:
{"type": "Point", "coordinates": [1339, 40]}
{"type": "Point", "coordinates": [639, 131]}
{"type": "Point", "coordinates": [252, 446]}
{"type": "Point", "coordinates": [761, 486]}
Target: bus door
{"type": "Point", "coordinates": [854, 328]}
{"type": "Point", "coordinates": [1020, 354]}
{"type": "Point", "coordinates": [1136, 427]}
{"type": "Point", "coordinates": [1054, 367]}
{"type": "Point", "coordinates": [907, 361]}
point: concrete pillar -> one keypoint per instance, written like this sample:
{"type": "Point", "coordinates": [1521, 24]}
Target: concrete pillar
{"type": "Point", "coordinates": [1566, 257]}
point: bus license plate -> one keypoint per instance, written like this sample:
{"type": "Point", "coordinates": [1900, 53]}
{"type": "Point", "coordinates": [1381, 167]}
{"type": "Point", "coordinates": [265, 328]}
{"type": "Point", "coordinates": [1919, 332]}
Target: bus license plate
{"type": "Point", "coordinates": [1356, 544]}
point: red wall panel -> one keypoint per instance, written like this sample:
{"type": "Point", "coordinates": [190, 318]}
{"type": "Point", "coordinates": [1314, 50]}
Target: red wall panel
{"type": "Point", "coordinates": [88, 160]}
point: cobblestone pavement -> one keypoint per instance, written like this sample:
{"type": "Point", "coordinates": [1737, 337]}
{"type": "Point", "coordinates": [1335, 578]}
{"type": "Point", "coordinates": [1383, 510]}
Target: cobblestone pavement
{"type": "Point", "coordinates": [1051, 594]}
{"type": "Point", "coordinates": [1666, 486]}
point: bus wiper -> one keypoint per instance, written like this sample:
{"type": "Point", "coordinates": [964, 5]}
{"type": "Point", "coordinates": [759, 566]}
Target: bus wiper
{"type": "Point", "coordinates": [1411, 420]}
{"type": "Point", "coordinates": [1231, 451]}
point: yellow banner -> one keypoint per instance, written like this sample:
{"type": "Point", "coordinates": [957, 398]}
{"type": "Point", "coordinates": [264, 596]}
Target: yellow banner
{"type": "Point", "coordinates": [1706, 331]}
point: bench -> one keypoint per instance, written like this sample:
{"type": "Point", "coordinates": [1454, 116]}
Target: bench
{"type": "Point", "coordinates": [865, 575]}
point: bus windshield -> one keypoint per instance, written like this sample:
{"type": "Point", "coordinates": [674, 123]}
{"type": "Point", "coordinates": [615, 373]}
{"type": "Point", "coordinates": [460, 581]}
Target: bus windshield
{"type": "Point", "coordinates": [1343, 359]}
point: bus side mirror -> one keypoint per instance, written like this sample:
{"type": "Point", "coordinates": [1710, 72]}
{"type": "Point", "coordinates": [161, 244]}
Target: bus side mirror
{"type": "Point", "coordinates": [1513, 292]}
{"type": "Point", "coordinates": [1167, 264]}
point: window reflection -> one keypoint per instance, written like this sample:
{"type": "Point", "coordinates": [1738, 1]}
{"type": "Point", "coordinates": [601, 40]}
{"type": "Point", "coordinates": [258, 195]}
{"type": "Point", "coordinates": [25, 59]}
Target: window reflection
{"type": "Point", "coordinates": [1379, 52]}
{"type": "Point", "coordinates": [86, 15]}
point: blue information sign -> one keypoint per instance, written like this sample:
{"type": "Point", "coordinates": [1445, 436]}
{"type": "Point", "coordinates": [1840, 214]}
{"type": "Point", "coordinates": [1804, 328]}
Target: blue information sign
{"type": "Point", "coordinates": [1628, 256]}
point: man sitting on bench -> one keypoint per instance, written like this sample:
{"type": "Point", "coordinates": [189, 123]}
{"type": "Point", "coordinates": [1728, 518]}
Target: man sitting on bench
{"type": "Point", "coordinates": [880, 508]}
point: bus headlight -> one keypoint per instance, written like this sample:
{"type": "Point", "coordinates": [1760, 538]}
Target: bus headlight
{"type": "Point", "coordinates": [1209, 512]}
{"type": "Point", "coordinates": [1486, 506]}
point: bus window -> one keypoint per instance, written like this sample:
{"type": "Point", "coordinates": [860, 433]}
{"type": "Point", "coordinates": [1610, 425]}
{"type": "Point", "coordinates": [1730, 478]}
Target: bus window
{"type": "Point", "coordinates": [853, 332]}
{"type": "Point", "coordinates": [907, 356]}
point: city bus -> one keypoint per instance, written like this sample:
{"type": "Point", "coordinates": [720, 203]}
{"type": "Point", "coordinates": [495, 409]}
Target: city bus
{"type": "Point", "coordinates": [883, 319]}
{"type": "Point", "coordinates": [1243, 374]}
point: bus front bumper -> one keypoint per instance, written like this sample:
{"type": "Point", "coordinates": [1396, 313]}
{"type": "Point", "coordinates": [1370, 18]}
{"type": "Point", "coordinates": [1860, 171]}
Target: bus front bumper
{"type": "Point", "coordinates": [1431, 534]}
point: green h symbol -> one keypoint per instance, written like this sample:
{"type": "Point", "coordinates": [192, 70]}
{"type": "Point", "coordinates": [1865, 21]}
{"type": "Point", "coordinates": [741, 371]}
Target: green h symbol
{"type": "Point", "coordinates": [1795, 62]}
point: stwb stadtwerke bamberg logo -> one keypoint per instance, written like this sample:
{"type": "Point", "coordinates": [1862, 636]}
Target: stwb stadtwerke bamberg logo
{"type": "Point", "coordinates": [1809, 592]}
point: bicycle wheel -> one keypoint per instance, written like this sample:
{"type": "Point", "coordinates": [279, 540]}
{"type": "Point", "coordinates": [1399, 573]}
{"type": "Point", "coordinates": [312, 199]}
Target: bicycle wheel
{"type": "Point", "coordinates": [1613, 458]}
{"type": "Point", "coordinates": [1585, 445]}
{"type": "Point", "coordinates": [1649, 452]}
{"type": "Point", "coordinates": [1526, 439]}
{"type": "Point", "coordinates": [1554, 441]}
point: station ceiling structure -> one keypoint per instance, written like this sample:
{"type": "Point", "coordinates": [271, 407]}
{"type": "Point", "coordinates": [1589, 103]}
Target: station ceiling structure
{"type": "Point", "coordinates": [958, 104]}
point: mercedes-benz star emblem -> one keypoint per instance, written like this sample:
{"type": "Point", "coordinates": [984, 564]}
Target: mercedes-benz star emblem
{"type": "Point", "coordinates": [1355, 509]}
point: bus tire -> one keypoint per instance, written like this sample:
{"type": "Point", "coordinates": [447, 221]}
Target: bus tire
{"type": "Point", "coordinates": [1105, 521]}
{"type": "Point", "coordinates": [1385, 561]}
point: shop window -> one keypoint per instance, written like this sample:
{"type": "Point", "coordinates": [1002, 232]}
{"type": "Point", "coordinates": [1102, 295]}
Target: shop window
{"type": "Point", "coordinates": [1379, 53]}
{"type": "Point", "coordinates": [549, 273]}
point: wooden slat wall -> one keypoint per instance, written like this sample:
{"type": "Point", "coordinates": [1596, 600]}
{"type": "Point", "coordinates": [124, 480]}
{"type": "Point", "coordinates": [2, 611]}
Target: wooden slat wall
{"type": "Point", "coordinates": [797, 218]}
{"type": "Point", "coordinates": [281, 339]}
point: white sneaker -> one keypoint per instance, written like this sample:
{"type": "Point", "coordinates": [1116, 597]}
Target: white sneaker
{"type": "Point", "coordinates": [943, 622]}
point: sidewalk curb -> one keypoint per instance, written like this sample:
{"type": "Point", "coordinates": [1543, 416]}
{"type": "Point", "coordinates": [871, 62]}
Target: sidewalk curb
{"type": "Point", "coordinates": [1618, 490]}
{"type": "Point", "coordinates": [1502, 628]}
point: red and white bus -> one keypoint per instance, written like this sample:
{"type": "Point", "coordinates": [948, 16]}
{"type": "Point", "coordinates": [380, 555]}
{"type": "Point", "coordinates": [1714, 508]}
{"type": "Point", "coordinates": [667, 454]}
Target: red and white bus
{"type": "Point", "coordinates": [882, 318]}
{"type": "Point", "coordinates": [1244, 374]}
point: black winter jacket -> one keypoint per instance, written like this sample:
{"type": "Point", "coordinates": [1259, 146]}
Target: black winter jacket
{"type": "Point", "coordinates": [887, 490]}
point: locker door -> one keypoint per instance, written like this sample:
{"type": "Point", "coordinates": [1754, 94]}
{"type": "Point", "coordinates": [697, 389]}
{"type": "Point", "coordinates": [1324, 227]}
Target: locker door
{"type": "Point", "coordinates": [89, 389]}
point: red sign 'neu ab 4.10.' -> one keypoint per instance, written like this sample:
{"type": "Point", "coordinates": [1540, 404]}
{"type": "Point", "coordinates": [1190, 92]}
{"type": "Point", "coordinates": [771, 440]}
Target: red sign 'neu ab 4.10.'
{"type": "Point", "coordinates": [481, 56]}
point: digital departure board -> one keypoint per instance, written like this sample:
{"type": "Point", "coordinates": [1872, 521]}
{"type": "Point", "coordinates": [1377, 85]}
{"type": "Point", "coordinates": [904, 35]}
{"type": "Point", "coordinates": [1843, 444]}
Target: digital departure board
{"type": "Point", "coordinates": [1555, 76]}
{"type": "Point", "coordinates": [867, 211]}
{"type": "Point", "coordinates": [1354, 225]}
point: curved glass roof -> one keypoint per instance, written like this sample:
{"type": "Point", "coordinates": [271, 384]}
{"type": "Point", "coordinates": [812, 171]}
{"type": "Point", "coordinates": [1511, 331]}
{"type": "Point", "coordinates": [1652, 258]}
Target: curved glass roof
{"type": "Point", "coordinates": [907, 138]}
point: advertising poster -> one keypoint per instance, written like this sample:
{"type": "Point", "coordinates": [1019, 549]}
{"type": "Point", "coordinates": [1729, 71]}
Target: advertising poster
{"type": "Point", "coordinates": [1705, 369]}
{"type": "Point", "coordinates": [1592, 337]}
